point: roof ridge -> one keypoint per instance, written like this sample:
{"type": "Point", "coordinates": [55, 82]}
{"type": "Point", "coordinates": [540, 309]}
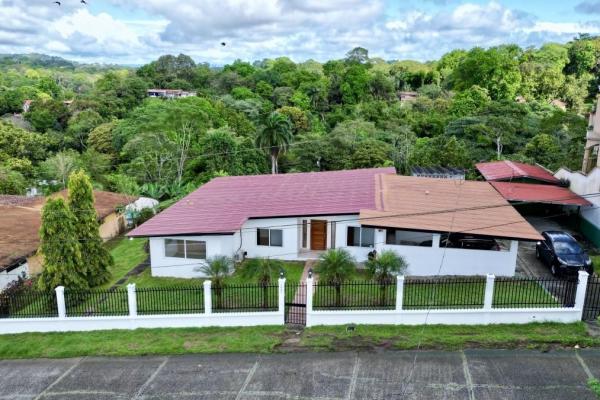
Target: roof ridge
{"type": "Point", "coordinates": [516, 167]}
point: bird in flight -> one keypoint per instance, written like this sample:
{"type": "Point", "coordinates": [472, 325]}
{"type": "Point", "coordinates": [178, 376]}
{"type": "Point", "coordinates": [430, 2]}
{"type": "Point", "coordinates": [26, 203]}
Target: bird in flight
{"type": "Point", "coordinates": [83, 2]}
{"type": "Point", "coordinates": [57, 2]}
{"type": "Point", "coordinates": [223, 44]}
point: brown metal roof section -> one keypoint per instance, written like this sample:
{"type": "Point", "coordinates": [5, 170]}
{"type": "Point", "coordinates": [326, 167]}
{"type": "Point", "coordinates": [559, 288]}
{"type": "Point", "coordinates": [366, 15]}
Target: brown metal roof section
{"type": "Point", "coordinates": [440, 205]}
{"type": "Point", "coordinates": [21, 223]}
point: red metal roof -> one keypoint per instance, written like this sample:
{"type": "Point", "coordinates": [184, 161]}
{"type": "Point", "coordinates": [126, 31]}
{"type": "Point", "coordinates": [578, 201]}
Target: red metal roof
{"type": "Point", "coordinates": [224, 204]}
{"type": "Point", "coordinates": [506, 170]}
{"type": "Point", "coordinates": [539, 193]}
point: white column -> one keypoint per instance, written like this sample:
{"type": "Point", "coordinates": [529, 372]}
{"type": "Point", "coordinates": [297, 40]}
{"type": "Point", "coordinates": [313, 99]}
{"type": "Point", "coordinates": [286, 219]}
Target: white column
{"type": "Point", "coordinates": [207, 298]}
{"type": "Point", "coordinates": [399, 292]}
{"type": "Point", "coordinates": [132, 300]}
{"type": "Point", "coordinates": [60, 302]}
{"type": "Point", "coordinates": [309, 299]}
{"type": "Point", "coordinates": [581, 289]}
{"type": "Point", "coordinates": [281, 295]}
{"type": "Point", "coordinates": [489, 292]}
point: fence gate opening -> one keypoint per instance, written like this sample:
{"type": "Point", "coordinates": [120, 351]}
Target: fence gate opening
{"type": "Point", "coordinates": [591, 308]}
{"type": "Point", "coordinates": [295, 303]}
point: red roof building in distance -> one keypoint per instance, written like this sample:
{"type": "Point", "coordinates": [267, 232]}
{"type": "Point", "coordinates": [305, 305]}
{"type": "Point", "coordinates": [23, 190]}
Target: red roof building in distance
{"type": "Point", "coordinates": [535, 193]}
{"type": "Point", "coordinates": [507, 170]}
{"type": "Point", "coordinates": [222, 205]}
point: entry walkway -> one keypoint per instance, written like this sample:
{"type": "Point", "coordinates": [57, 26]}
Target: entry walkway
{"type": "Point", "coordinates": [472, 374]}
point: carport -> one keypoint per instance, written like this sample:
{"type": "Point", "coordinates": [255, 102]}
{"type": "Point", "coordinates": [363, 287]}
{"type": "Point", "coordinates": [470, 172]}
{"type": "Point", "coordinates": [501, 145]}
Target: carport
{"type": "Point", "coordinates": [536, 193]}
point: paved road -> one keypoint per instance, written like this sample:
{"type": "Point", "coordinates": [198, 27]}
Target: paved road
{"type": "Point", "coordinates": [472, 374]}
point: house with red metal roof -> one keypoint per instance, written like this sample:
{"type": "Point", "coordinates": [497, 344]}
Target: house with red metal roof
{"type": "Point", "coordinates": [442, 227]}
{"type": "Point", "coordinates": [513, 171]}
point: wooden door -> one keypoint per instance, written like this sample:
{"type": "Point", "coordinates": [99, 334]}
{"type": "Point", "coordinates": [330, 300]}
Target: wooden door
{"type": "Point", "coordinates": [318, 235]}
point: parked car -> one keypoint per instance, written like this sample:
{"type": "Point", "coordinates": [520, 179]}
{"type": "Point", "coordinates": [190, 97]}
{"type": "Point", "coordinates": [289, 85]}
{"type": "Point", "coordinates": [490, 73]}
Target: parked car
{"type": "Point", "coordinates": [561, 252]}
{"type": "Point", "coordinates": [466, 241]}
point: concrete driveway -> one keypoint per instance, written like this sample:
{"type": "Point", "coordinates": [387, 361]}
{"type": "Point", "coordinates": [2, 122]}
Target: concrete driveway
{"type": "Point", "coordinates": [472, 374]}
{"type": "Point", "coordinates": [527, 264]}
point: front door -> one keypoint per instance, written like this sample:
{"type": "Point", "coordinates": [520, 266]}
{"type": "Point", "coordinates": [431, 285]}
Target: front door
{"type": "Point", "coordinates": [318, 234]}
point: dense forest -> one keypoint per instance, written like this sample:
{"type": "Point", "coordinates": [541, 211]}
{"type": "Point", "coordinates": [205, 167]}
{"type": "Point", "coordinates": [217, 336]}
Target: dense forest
{"type": "Point", "coordinates": [249, 118]}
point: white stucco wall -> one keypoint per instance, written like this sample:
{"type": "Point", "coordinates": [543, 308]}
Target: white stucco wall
{"type": "Point", "coordinates": [7, 277]}
{"type": "Point", "coordinates": [421, 260]}
{"type": "Point", "coordinates": [583, 184]}
{"type": "Point", "coordinates": [186, 268]}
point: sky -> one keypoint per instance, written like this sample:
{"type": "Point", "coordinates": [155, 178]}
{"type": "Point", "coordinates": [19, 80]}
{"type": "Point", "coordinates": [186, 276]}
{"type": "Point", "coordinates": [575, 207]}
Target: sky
{"type": "Point", "coordinates": [135, 32]}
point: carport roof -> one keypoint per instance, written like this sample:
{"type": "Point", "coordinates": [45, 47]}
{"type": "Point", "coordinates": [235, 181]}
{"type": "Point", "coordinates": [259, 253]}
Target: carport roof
{"type": "Point", "coordinates": [535, 193]}
{"type": "Point", "coordinates": [444, 205]}
{"type": "Point", "coordinates": [506, 170]}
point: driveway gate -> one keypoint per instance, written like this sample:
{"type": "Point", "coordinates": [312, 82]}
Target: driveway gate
{"type": "Point", "coordinates": [591, 308]}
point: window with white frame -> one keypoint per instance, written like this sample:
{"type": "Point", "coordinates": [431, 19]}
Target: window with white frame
{"type": "Point", "coordinates": [269, 237]}
{"type": "Point", "coordinates": [183, 248]}
{"type": "Point", "coordinates": [360, 237]}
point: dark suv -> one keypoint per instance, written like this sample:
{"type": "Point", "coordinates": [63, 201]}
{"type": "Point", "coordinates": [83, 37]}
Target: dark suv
{"type": "Point", "coordinates": [563, 254]}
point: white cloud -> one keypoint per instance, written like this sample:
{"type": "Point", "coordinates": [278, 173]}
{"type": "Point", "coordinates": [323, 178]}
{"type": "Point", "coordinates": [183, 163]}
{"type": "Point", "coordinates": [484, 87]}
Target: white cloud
{"type": "Point", "coordinates": [256, 29]}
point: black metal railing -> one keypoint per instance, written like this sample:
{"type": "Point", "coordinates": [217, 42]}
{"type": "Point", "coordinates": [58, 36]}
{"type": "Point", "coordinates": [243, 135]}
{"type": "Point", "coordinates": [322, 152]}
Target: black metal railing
{"type": "Point", "coordinates": [28, 304]}
{"type": "Point", "coordinates": [533, 293]}
{"type": "Point", "coordinates": [96, 302]}
{"type": "Point", "coordinates": [354, 296]}
{"type": "Point", "coordinates": [252, 297]}
{"type": "Point", "coordinates": [443, 293]}
{"type": "Point", "coordinates": [170, 300]}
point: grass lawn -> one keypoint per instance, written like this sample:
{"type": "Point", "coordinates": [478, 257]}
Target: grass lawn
{"type": "Point", "coordinates": [465, 292]}
{"type": "Point", "coordinates": [269, 339]}
{"type": "Point", "coordinates": [162, 294]}
{"type": "Point", "coordinates": [127, 255]}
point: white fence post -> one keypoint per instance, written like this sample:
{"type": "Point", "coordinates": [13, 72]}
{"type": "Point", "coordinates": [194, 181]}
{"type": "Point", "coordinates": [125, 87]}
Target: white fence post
{"type": "Point", "coordinates": [489, 292]}
{"type": "Point", "coordinates": [60, 302]}
{"type": "Point", "coordinates": [309, 299]}
{"type": "Point", "coordinates": [207, 298]}
{"type": "Point", "coordinates": [581, 290]}
{"type": "Point", "coordinates": [281, 296]}
{"type": "Point", "coordinates": [399, 292]}
{"type": "Point", "coordinates": [132, 300]}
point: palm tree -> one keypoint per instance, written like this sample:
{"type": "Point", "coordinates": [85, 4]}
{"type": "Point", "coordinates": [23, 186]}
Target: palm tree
{"type": "Point", "coordinates": [383, 268]}
{"type": "Point", "coordinates": [262, 269]}
{"type": "Point", "coordinates": [334, 267]}
{"type": "Point", "coordinates": [217, 269]}
{"type": "Point", "coordinates": [276, 136]}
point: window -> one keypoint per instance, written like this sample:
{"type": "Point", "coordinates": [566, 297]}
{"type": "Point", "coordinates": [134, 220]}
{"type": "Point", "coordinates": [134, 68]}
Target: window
{"type": "Point", "coordinates": [174, 248]}
{"type": "Point", "coordinates": [269, 237]}
{"type": "Point", "coordinates": [195, 249]}
{"type": "Point", "coordinates": [360, 237]}
{"type": "Point", "coordinates": [408, 238]}
{"type": "Point", "coordinates": [185, 248]}
{"type": "Point", "coordinates": [333, 228]}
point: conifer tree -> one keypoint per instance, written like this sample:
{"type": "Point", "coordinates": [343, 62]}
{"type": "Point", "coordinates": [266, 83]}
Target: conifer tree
{"type": "Point", "coordinates": [97, 259]}
{"type": "Point", "coordinates": [60, 248]}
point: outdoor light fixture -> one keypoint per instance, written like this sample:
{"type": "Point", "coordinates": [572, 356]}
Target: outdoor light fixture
{"type": "Point", "coordinates": [310, 273]}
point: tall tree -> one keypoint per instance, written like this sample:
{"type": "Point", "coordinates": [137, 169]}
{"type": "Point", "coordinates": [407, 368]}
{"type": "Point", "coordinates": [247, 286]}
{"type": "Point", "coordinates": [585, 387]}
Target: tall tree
{"type": "Point", "coordinates": [85, 224]}
{"type": "Point", "coordinates": [275, 137]}
{"type": "Point", "coordinates": [60, 249]}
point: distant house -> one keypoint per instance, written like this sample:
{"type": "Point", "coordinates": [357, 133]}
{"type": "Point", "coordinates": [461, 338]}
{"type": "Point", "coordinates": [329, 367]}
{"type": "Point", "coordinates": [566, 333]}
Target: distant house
{"type": "Point", "coordinates": [170, 93]}
{"type": "Point", "coordinates": [407, 96]}
{"type": "Point", "coordinates": [20, 219]}
{"type": "Point", "coordinates": [298, 216]}
{"type": "Point", "coordinates": [438, 172]}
